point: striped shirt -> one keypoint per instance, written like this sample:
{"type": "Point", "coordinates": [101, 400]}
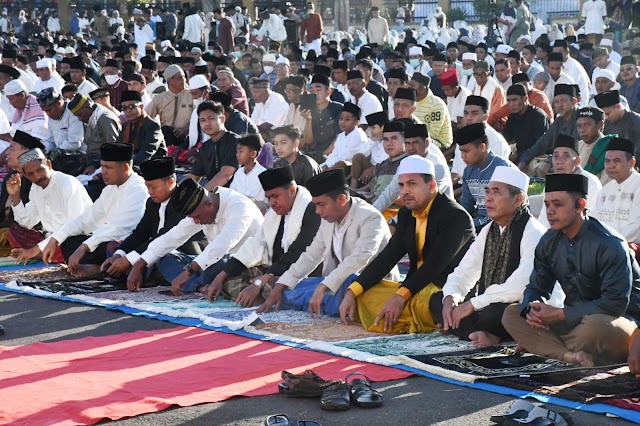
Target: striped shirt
{"type": "Point", "coordinates": [434, 113]}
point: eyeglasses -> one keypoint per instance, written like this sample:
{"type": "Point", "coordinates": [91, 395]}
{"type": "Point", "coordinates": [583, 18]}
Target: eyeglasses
{"type": "Point", "coordinates": [627, 69]}
{"type": "Point", "coordinates": [130, 106]}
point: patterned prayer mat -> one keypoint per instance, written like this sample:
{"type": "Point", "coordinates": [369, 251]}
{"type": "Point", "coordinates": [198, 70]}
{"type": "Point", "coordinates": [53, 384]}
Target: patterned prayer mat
{"type": "Point", "coordinates": [326, 330]}
{"type": "Point", "coordinates": [43, 273]}
{"type": "Point", "coordinates": [408, 344]}
{"type": "Point", "coordinates": [583, 384]}
{"type": "Point", "coordinates": [147, 295]}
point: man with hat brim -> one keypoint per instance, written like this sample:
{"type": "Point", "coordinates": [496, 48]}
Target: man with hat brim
{"type": "Point", "coordinates": [54, 199]}
{"type": "Point", "coordinates": [351, 141]}
{"type": "Point", "coordinates": [618, 120]}
{"type": "Point", "coordinates": [351, 233]}
{"type": "Point", "coordinates": [47, 75]}
{"type": "Point", "coordinates": [593, 142]}
{"type": "Point", "coordinates": [64, 130]}
{"type": "Point", "coordinates": [629, 87]}
{"type": "Point", "coordinates": [150, 72]}
{"type": "Point", "coordinates": [270, 108]}
{"type": "Point", "coordinates": [227, 219]}
{"type": "Point", "coordinates": [173, 106]}
{"type": "Point", "coordinates": [526, 123]}
{"type": "Point", "coordinates": [286, 143]}
{"type": "Point", "coordinates": [565, 102]}
{"type": "Point", "coordinates": [397, 78]}
{"type": "Point", "coordinates": [481, 163]}
{"type": "Point", "coordinates": [265, 256]}
{"type": "Point", "coordinates": [78, 75]}
{"type": "Point", "coordinates": [432, 111]}
{"type": "Point", "coordinates": [487, 86]}
{"type": "Point", "coordinates": [112, 217]}
{"type": "Point", "coordinates": [141, 131]}
{"type": "Point", "coordinates": [360, 96]}
{"type": "Point", "coordinates": [105, 130]}
{"type": "Point", "coordinates": [456, 96]}
{"type": "Point", "coordinates": [555, 68]}
{"type": "Point", "coordinates": [596, 271]}
{"type": "Point", "coordinates": [534, 96]}
{"type": "Point", "coordinates": [566, 160]}
{"type": "Point", "coordinates": [138, 83]}
{"type": "Point", "coordinates": [573, 69]}
{"type": "Point", "coordinates": [616, 204]}
{"type": "Point", "coordinates": [159, 217]}
{"type": "Point", "coordinates": [494, 271]}
{"type": "Point", "coordinates": [390, 306]}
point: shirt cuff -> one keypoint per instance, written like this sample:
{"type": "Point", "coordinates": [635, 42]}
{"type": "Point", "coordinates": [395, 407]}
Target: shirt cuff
{"type": "Point", "coordinates": [120, 253]}
{"type": "Point", "coordinates": [59, 237]}
{"type": "Point", "coordinates": [42, 244]}
{"type": "Point", "coordinates": [356, 288]}
{"type": "Point", "coordinates": [133, 257]}
{"type": "Point", "coordinates": [149, 257]}
{"type": "Point", "coordinates": [404, 292]}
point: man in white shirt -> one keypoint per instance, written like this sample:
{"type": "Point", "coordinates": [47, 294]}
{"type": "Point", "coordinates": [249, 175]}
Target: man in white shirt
{"type": "Point", "coordinates": [555, 67]}
{"type": "Point", "coordinates": [618, 203]}
{"type": "Point", "coordinates": [574, 70]}
{"type": "Point", "coordinates": [194, 27]}
{"type": "Point", "coordinates": [361, 97]}
{"type": "Point", "coordinates": [64, 131]}
{"type": "Point", "coordinates": [227, 219]}
{"type": "Point", "coordinates": [602, 61]}
{"type": "Point", "coordinates": [594, 12]}
{"type": "Point", "coordinates": [78, 76]}
{"type": "Point", "coordinates": [456, 96]}
{"type": "Point", "coordinates": [417, 61]}
{"type": "Point", "coordinates": [54, 199]}
{"type": "Point", "coordinates": [270, 109]}
{"type": "Point", "coordinates": [47, 76]}
{"type": "Point", "coordinates": [350, 142]}
{"type": "Point", "coordinates": [272, 26]}
{"type": "Point", "coordinates": [199, 88]}
{"type": "Point", "coordinates": [113, 216]}
{"type": "Point", "coordinates": [150, 72]}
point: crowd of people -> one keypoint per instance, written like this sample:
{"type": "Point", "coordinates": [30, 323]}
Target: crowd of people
{"type": "Point", "coordinates": [296, 170]}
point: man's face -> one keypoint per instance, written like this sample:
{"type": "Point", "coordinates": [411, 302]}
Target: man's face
{"type": "Point", "coordinates": [393, 143]}
{"type": "Point", "coordinates": [563, 104]}
{"type": "Point", "coordinates": [628, 72]}
{"type": "Point", "coordinates": [500, 204]}
{"type": "Point", "coordinates": [136, 86]}
{"type": "Point", "coordinates": [177, 83]}
{"type": "Point", "coordinates": [132, 109]}
{"type": "Point", "coordinates": [403, 108]}
{"type": "Point", "coordinates": [205, 213]}
{"type": "Point", "coordinates": [281, 199]}
{"type": "Point", "coordinates": [414, 191]}
{"type": "Point", "coordinates": [452, 54]}
{"type": "Point", "coordinates": [601, 61]}
{"type": "Point", "coordinates": [160, 189]}
{"type": "Point", "coordinates": [64, 68]}
{"type": "Point", "coordinates": [393, 84]}
{"type": "Point", "coordinates": [481, 76]}
{"type": "Point", "coordinates": [356, 86]}
{"type": "Point", "coordinates": [529, 56]}
{"type": "Point", "coordinates": [328, 208]}
{"type": "Point", "coordinates": [514, 66]}
{"type": "Point", "coordinates": [340, 76]}
{"type": "Point", "coordinates": [415, 146]}
{"type": "Point", "coordinates": [282, 71]}
{"type": "Point", "coordinates": [588, 129]}
{"type": "Point", "coordinates": [18, 101]}
{"type": "Point", "coordinates": [13, 152]}
{"type": "Point", "coordinates": [603, 84]}
{"type": "Point", "coordinates": [471, 153]}
{"type": "Point", "coordinates": [38, 173]}
{"type": "Point", "coordinates": [438, 67]}
{"type": "Point", "coordinates": [450, 90]}
{"type": "Point", "coordinates": [293, 93]}
{"type": "Point", "coordinates": [44, 73]}
{"type": "Point", "coordinates": [259, 95]}
{"type": "Point", "coordinates": [224, 82]}
{"type": "Point", "coordinates": [210, 122]}
{"type": "Point", "coordinates": [54, 110]}
{"type": "Point", "coordinates": [284, 146]}
{"type": "Point", "coordinates": [196, 93]}
{"type": "Point", "coordinates": [561, 210]}
{"type": "Point", "coordinates": [517, 104]}
{"type": "Point", "coordinates": [554, 68]}
{"type": "Point", "coordinates": [467, 64]}
{"type": "Point", "coordinates": [473, 114]}
{"type": "Point", "coordinates": [542, 54]}
{"type": "Point", "coordinates": [618, 166]}
{"type": "Point", "coordinates": [114, 172]}
{"type": "Point", "coordinates": [565, 160]}
{"type": "Point", "coordinates": [77, 75]}
{"type": "Point", "coordinates": [540, 84]}
{"type": "Point", "coordinates": [613, 113]}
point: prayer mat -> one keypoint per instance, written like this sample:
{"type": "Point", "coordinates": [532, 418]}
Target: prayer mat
{"type": "Point", "coordinates": [76, 286]}
{"type": "Point", "coordinates": [86, 380]}
{"type": "Point", "coordinates": [146, 295]}
{"type": "Point", "coordinates": [626, 403]}
{"type": "Point", "coordinates": [408, 344]}
{"type": "Point", "coordinates": [325, 330]}
{"type": "Point", "coordinates": [11, 261]}
{"type": "Point", "coordinates": [42, 273]}
{"type": "Point", "coordinates": [582, 384]}
{"type": "Point", "coordinates": [492, 362]}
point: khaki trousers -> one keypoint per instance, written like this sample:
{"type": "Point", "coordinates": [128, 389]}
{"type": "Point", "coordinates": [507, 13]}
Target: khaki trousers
{"type": "Point", "coordinates": [359, 164]}
{"type": "Point", "coordinates": [604, 337]}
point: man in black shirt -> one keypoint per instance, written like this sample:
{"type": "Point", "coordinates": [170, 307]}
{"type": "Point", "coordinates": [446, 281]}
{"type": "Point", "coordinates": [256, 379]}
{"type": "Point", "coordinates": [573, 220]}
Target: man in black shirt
{"type": "Point", "coordinates": [216, 161]}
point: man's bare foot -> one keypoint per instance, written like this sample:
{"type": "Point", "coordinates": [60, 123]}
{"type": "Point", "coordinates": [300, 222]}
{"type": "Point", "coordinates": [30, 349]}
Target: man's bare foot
{"type": "Point", "coordinates": [86, 271]}
{"type": "Point", "coordinates": [482, 339]}
{"type": "Point", "coordinates": [580, 358]}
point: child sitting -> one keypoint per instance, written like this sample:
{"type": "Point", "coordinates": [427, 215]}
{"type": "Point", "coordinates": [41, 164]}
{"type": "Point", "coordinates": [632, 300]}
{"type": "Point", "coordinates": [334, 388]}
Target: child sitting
{"type": "Point", "coordinates": [362, 166]}
{"type": "Point", "coordinates": [351, 141]}
{"type": "Point", "coordinates": [245, 179]}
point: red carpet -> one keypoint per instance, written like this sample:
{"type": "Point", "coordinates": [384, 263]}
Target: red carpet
{"type": "Point", "coordinates": [83, 381]}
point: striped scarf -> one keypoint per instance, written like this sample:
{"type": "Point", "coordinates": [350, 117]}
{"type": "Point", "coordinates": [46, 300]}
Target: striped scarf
{"type": "Point", "coordinates": [30, 113]}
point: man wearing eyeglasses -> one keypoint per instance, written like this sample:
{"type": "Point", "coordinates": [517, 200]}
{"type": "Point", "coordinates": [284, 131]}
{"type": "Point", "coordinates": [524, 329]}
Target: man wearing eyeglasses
{"type": "Point", "coordinates": [629, 88]}
{"type": "Point", "coordinates": [488, 87]}
{"type": "Point", "coordinates": [141, 131]}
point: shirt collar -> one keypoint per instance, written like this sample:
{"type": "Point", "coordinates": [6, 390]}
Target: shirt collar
{"type": "Point", "coordinates": [425, 213]}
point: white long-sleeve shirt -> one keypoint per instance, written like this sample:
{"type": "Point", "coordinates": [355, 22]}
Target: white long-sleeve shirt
{"type": "Point", "coordinates": [368, 104]}
{"type": "Point", "coordinates": [61, 201]}
{"type": "Point", "coordinates": [143, 35]}
{"type": "Point", "coordinates": [273, 111]}
{"type": "Point", "coordinates": [194, 28]}
{"type": "Point", "coordinates": [65, 133]}
{"type": "Point", "coordinates": [248, 184]}
{"type": "Point", "coordinates": [237, 220]}
{"type": "Point", "coordinates": [577, 72]}
{"type": "Point", "coordinates": [274, 27]}
{"type": "Point", "coordinates": [468, 272]}
{"type": "Point", "coordinates": [618, 205]}
{"type": "Point", "coordinates": [54, 81]}
{"type": "Point", "coordinates": [112, 217]}
{"type": "Point", "coordinates": [346, 146]}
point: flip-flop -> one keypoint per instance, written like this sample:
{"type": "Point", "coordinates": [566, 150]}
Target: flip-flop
{"type": "Point", "coordinates": [542, 417]}
{"type": "Point", "coordinates": [276, 420]}
{"type": "Point", "coordinates": [336, 397]}
{"type": "Point", "coordinates": [518, 410]}
{"type": "Point", "coordinates": [362, 394]}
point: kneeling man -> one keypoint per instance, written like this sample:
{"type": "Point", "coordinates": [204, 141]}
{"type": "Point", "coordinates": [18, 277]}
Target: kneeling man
{"type": "Point", "coordinates": [598, 274]}
{"type": "Point", "coordinates": [435, 232]}
{"type": "Point", "coordinates": [496, 269]}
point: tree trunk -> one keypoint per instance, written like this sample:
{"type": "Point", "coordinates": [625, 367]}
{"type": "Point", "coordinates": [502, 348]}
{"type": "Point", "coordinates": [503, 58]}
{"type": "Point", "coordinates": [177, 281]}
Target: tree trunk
{"type": "Point", "coordinates": [341, 14]}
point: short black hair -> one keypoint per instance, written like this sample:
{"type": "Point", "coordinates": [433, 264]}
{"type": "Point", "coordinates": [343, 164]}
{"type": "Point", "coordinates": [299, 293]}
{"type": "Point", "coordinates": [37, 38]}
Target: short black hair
{"type": "Point", "coordinates": [502, 62]}
{"type": "Point", "coordinates": [335, 193]}
{"type": "Point", "coordinates": [365, 63]}
{"type": "Point", "coordinates": [211, 106]}
{"type": "Point", "coordinates": [291, 131]}
{"type": "Point", "coordinates": [254, 142]}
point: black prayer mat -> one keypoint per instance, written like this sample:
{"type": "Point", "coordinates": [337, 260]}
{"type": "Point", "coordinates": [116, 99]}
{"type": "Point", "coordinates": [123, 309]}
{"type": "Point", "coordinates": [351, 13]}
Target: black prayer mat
{"type": "Point", "coordinates": [584, 385]}
{"type": "Point", "coordinates": [78, 285]}
{"type": "Point", "coordinates": [495, 361]}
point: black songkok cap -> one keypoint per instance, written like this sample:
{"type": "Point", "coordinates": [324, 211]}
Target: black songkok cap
{"type": "Point", "coordinates": [406, 93]}
{"type": "Point", "coordinates": [296, 81]}
{"type": "Point", "coordinates": [620, 144]}
{"type": "Point", "coordinates": [586, 46]}
{"type": "Point", "coordinates": [416, 131]}
{"type": "Point", "coordinates": [10, 71]}
{"type": "Point", "coordinates": [27, 140]}
{"type": "Point", "coordinates": [116, 151]}
{"type": "Point", "coordinates": [322, 69]}
{"type": "Point", "coordinates": [187, 197]}
{"type": "Point", "coordinates": [321, 79]}
{"type": "Point", "coordinates": [112, 63]}
{"type": "Point", "coordinates": [158, 168]}
{"type": "Point", "coordinates": [516, 89]}
{"type": "Point", "coordinates": [276, 177]}
{"type": "Point", "coordinates": [340, 65]}
{"type": "Point", "coordinates": [394, 126]}
{"type": "Point", "coordinates": [77, 64]}
{"type": "Point", "coordinates": [555, 57]}
{"type": "Point", "coordinates": [607, 99]}
{"type": "Point", "coordinates": [9, 53]}
{"type": "Point", "coordinates": [149, 64]}
{"type": "Point", "coordinates": [353, 109]}
{"type": "Point", "coordinates": [514, 54]}
{"type": "Point", "coordinates": [628, 60]}
{"type": "Point", "coordinates": [165, 59]}
{"type": "Point", "coordinates": [328, 181]}
{"type": "Point", "coordinates": [521, 77]}
{"type": "Point", "coordinates": [566, 141]}
{"type": "Point", "coordinates": [564, 89]}
{"type": "Point", "coordinates": [439, 57]}
{"type": "Point", "coordinates": [421, 78]}
{"type": "Point", "coordinates": [470, 133]}
{"type": "Point", "coordinates": [131, 95]}
{"type": "Point", "coordinates": [591, 112]}
{"type": "Point", "coordinates": [567, 182]}
{"type": "Point", "coordinates": [398, 73]}
{"type": "Point", "coordinates": [222, 97]}
{"type": "Point", "coordinates": [478, 101]}
{"type": "Point", "coordinates": [380, 118]}
{"type": "Point", "coordinates": [201, 70]}
{"type": "Point", "coordinates": [354, 74]}
{"type": "Point", "coordinates": [560, 43]}
{"type": "Point", "coordinates": [254, 142]}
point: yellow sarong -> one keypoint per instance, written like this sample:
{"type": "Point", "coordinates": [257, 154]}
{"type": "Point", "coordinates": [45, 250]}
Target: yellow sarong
{"type": "Point", "coordinates": [414, 318]}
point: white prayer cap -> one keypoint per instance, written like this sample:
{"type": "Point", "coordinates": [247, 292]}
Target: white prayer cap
{"type": "Point", "coordinates": [69, 50]}
{"type": "Point", "coordinates": [269, 58]}
{"type": "Point", "coordinates": [599, 72]}
{"type": "Point", "coordinates": [43, 63]}
{"type": "Point", "coordinates": [510, 176]}
{"type": "Point", "coordinates": [201, 62]}
{"type": "Point", "coordinates": [137, 11]}
{"type": "Point", "coordinates": [238, 9]}
{"type": "Point", "coordinates": [525, 37]}
{"type": "Point", "coordinates": [504, 49]}
{"type": "Point", "coordinates": [60, 50]}
{"type": "Point", "coordinates": [606, 42]}
{"type": "Point", "coordinates": [195, 50]}
{"type": "Point", "coordinates": [282, 60]}
{"type": "Point", "coordinates": [416, 164]}
{"type": "Point", "coordinates": [469, 56]}
{"type": "Point", "coordinates": [415, 50]}
{"type": "Point", "coordinates": [165, 43]}
{"type": "Point", "coordinates": [14, 87]}
{"type": "Point", "coordinates": [198, 81]}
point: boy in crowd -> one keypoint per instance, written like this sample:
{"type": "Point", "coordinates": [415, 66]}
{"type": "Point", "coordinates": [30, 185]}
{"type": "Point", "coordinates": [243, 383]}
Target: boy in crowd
{"type": "Point", "coordinates": [245, 179]}
{"type": "Point", "coordinates": [363, 166]}
{"type": "Point", "coordinates": [286, 140]}
{"type": "Point", "coordinates": [351, 141]}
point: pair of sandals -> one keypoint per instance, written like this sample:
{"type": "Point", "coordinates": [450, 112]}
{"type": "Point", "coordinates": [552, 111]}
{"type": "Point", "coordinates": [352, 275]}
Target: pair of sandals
{"type": "Point", "coordinates": [341, 396]}
{"type": "Point", "coordinates": [525, 413]}
{"type": "Point", "coordinates": [283, 420]}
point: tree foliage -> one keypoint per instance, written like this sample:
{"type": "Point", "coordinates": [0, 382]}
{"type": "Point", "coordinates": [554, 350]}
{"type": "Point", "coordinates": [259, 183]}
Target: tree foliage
{"type": "Point", "coordinates": [484, 10]}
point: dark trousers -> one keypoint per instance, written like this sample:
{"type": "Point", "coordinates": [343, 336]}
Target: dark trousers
{"type": "Point", "coordinates": [95, 257]}
{"type": "Point", "coordinates": [488, 320]}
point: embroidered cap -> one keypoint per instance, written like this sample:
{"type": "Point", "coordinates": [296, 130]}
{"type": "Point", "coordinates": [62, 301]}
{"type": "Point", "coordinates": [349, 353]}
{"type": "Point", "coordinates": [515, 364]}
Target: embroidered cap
{"type": "Point", "coordinates": [187, 196]}
{"type": "Point", "coordinates": [510, 176]}
{"type": "Point", "coordinates": [31, 155]}
{"type": "Point", "coordinates": [591, 112]}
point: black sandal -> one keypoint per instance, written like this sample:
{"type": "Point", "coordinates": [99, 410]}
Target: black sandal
{"type": "Point", "coordinates": [362, 394]}
{"type": "Point", "coordinates": [336, 397]}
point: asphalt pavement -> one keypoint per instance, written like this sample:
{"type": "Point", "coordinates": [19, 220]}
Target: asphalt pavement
{"type": "Point", "coordinates": [412, 401]}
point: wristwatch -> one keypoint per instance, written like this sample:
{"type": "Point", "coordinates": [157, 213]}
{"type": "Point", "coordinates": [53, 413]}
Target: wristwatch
{"type": "Point", "coordinates": [189, 269]}
{"type": "Point", "coordinates": [258, 283]}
